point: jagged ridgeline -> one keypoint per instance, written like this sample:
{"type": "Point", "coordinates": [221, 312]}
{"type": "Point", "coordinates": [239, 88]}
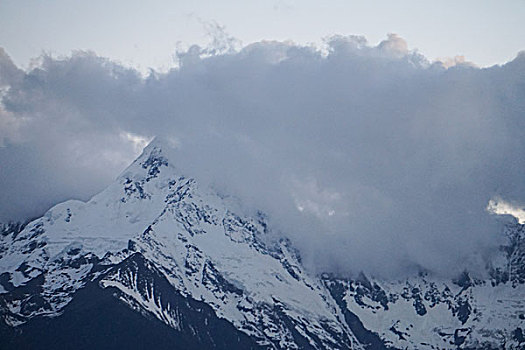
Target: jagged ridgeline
{"type": "Point", "coordinates": [156, 261]}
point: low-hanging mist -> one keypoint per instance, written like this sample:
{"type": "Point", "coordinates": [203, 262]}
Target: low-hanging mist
{"type": "Point", "coordinates": [367, 157]}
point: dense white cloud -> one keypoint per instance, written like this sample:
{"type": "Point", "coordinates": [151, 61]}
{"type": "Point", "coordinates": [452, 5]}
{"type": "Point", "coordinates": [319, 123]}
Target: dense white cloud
{"type": "Point", "coordinates": [367, 157]}
{"type": "Point", "coordinates": [501, 207]}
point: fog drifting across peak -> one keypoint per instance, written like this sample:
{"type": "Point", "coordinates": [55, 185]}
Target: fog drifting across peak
{"type": "Point", "coordinates": [367, 157]}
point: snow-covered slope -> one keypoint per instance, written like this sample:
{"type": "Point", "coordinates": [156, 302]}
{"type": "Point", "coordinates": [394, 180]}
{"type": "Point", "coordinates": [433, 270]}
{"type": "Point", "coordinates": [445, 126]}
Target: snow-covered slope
{"type": "Point", "coordinates": [421, 313]}
{"type": "Point", "coordinates": [205, 251]}
{"type": "Point", "coordinates": [155, 236]}
{"type": "Point", "coordinates": [426, 312]}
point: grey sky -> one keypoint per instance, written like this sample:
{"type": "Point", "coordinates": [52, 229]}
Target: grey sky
{"type": "Point", "coordinates": [146, 34]}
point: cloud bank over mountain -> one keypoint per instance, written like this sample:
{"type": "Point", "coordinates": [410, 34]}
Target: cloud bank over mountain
{"type": "Point", "coordinates": [367, 157]}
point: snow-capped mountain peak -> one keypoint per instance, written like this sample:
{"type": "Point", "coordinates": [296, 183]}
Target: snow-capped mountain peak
{"type": "Point", "coordinates": [181, 255]}
{"type": "Point", "coordinates": [205, 251]}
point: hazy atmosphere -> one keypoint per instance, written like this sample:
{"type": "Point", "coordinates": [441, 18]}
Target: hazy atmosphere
{"type": "Point", "coordinates": [367, 155]}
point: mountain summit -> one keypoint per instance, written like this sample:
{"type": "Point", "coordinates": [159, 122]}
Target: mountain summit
{"type": "Point", "coordinates": [157, 260]}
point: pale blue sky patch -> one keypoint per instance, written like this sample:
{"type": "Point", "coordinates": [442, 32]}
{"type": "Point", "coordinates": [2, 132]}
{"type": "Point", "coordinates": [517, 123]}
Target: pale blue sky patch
{"type": "Point", "coordinates": [146, 34]}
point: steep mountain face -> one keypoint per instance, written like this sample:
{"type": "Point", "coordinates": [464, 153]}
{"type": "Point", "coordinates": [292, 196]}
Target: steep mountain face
{"type": "Point", "coordinates": [97, 319]}
{"type": "Point", "coordinates": [155, 255]}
